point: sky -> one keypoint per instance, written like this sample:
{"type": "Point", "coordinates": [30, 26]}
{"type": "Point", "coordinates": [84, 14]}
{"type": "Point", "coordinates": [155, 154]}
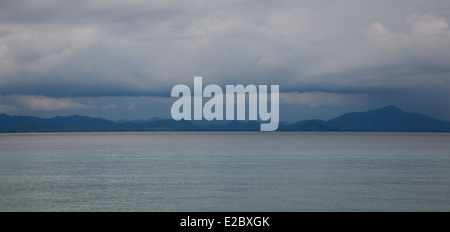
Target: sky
{"type": "Point", "coordinates": [120, 59]}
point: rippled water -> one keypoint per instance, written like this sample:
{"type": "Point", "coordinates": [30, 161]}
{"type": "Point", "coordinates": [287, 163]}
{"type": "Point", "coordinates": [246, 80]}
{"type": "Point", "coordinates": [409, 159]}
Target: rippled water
{"type": "Point", "coordinates": [225, 171]}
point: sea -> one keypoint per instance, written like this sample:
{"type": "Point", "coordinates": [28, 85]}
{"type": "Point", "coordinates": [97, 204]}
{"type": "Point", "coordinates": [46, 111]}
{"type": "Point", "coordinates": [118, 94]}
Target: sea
{"type": "Point", "coordinates": [225, 172]}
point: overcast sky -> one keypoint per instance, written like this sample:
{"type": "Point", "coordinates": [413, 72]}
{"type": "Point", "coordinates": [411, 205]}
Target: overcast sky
{"type": "Point", "coordinates": [120, 59]}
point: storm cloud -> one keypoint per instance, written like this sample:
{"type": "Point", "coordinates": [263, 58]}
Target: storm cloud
{"type": "Point", "coordinates": [321, 53]}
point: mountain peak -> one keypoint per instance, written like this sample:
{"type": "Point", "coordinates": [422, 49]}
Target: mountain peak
{"type": "Point", "coordinates": [388, 118]}
{"type": "Point", "coordinates": [390, 108]}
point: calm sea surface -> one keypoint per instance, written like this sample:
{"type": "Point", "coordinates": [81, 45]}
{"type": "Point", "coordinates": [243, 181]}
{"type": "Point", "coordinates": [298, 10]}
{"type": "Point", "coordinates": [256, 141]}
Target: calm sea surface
{"type": "Point", "coordinates": [225, 171]}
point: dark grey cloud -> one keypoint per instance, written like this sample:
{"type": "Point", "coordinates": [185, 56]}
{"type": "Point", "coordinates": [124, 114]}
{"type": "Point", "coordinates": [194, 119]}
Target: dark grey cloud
{"type": "Point", "coordinates": [372, 52]}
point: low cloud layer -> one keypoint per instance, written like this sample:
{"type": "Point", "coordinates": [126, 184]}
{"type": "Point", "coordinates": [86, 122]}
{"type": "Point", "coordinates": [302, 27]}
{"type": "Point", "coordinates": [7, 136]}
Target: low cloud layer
{"type": "Point", "coordinates": [42, 103]}
{"type": "Point", "coordinates": [319, 52]}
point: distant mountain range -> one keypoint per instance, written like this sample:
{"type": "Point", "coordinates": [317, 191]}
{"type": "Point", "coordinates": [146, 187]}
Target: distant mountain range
{"type": "Point", "coordinates": [386, 119]}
